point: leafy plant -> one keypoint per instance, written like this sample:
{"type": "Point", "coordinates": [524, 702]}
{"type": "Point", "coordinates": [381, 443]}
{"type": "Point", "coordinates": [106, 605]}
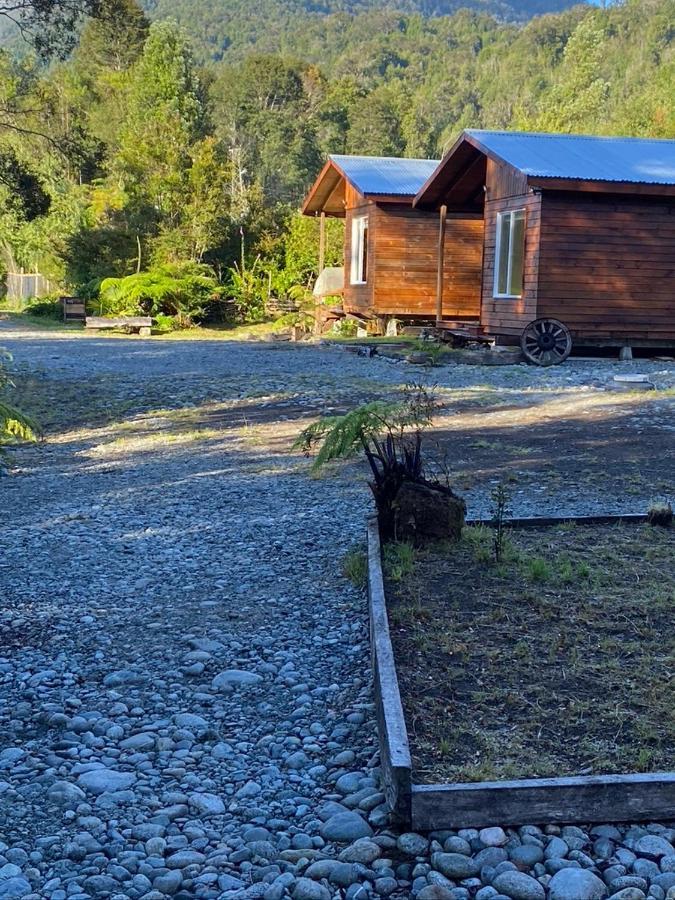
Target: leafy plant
{"type": "Point", "coordinates": [14, 424]}
{"type": "Point", "coordinates": [45, 308]}
{"type": "Point", "coordinates": [345, 328]}
{"type": "Point", "coordinates": [178, 290]}
{"type": "Point", "coordinates": [388, 432]}
{"type": "Point", "coordinates": [248, 287]}
{"type": "Point", "coordinates": [390, 436]}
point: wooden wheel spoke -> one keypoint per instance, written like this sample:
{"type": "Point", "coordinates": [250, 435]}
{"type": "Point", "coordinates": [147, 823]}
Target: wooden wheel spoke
{"type": "Point", "coordinates": [546, 342]}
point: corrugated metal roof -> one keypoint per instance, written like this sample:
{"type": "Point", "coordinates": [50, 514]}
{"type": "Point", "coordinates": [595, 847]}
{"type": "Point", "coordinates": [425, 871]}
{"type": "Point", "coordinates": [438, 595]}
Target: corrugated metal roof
{"type": "Point", "coordinates": [386, 175]}
{"type": "Point", "coordinates": [591, 158]}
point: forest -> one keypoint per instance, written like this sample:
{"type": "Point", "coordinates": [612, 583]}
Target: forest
{"type": "Point", "coordinates": [144, 170]}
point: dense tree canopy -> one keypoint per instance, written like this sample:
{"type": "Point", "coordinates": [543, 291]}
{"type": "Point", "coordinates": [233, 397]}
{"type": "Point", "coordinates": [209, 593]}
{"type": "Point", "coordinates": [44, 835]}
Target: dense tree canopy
{"type": "Point", "coordinates": [143, 158]}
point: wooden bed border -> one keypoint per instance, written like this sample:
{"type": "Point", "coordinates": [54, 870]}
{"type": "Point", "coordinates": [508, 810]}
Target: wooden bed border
{"type": "Point", "coordinates": [395, 761]}
{"type": "Point", "coordinates": [428, 807]}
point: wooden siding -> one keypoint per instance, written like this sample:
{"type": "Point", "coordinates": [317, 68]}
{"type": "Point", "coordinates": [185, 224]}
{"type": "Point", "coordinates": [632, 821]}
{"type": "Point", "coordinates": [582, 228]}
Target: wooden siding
{"type": "Point", "coordinates": [402, 262]}
{"type": "Point", "coordinates": [510, 316]}
{"type": "Point", "coordinates": [358, 298]}
{"type": "Point", "coordinates": [503, 182]}
{"type": "Point", "coordinates": [405, 255]}
{"type": "Point", "coordinates": [607, 266]}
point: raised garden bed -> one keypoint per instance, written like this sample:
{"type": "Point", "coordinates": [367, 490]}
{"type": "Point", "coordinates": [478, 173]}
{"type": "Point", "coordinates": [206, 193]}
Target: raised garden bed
{"type": "Point", "coordinates": [539, 690]}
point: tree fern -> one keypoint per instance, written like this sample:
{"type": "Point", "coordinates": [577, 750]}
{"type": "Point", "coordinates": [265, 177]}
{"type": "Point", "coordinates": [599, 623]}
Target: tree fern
{"type": "Point", "coordinates": [14, 424]}
{"type": "Point", "coordinates": [378, 428]}
{"type": "Point", "coordinates": [176, 290]}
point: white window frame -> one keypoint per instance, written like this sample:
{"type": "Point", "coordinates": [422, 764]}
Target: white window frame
{"type": "Point", "coordinates": [359, 250]}
{"type": "Point", "coordinates": [511, 213]}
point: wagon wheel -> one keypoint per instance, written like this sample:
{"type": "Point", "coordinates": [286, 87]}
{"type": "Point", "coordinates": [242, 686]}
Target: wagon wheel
{"type": "Point", "coordinates": [546, 342]}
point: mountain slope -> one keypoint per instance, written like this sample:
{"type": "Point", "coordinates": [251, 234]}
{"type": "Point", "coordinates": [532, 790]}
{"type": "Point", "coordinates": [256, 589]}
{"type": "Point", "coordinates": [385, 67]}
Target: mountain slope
{"type": "Point", "coordinates": [234, 27]}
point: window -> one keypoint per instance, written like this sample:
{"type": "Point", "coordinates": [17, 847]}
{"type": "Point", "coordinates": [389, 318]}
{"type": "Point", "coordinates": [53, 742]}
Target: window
{"type": "Point", "coordinates": [510, 254]}
{"type": "Point", "coordinates": [359, 267]}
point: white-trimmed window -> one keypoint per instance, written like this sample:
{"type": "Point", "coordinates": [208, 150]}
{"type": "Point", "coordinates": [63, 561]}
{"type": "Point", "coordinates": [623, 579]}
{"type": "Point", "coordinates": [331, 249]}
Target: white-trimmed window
{"type": "Point", "coordinates": [359, 261]}
{"type": "Point", "coordinates": [510, 254]}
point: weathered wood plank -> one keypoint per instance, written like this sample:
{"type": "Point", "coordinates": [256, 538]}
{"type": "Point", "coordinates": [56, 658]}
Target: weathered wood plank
{"type": "Point", "coordinates": [601, 798]}
{"type": "Point", "coordinates": [395, 761]}
{"type": "Point", "coordinates": [118, 322]}
{"type": "Point", "coordinates": [547, 521]}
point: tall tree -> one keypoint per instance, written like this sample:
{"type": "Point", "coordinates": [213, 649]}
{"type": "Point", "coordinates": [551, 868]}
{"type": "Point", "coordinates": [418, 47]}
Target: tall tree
{"type": "Point", "coordinates": [113, 40]}
{"type": "Point", "coordinates": [165, 116]}
{"type": "Point", "coordinates": [575, 102]}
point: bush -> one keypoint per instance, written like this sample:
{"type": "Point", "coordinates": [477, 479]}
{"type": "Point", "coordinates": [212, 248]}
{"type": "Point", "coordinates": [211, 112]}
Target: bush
{"type": "Point", "coordinates": [182, 291]}
{"type": "Point", "coordinates": [248, 288]}
{"type": "Point", "coordinates": [44, 307]}
{"type": "Point", "coordinates": [345, 327]}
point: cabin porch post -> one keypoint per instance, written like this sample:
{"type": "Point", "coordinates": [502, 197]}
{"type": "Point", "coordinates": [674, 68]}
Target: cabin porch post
{"type": "Point", "coordinates": [439, 264]}
{"type": "Point", "coordinates": [322, 242]}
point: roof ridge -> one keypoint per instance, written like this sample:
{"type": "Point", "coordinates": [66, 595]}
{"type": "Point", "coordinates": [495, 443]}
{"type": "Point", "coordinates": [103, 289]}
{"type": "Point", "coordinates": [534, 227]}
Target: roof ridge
{"type": "Point", "coordinates": [407, 159]}
{"type": "Point", "coordinates": [569, 136]}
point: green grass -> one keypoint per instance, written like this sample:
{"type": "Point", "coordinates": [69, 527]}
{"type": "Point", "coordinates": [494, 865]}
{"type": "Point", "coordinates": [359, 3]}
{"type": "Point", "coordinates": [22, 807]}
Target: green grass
{"type": "Point", "coordinates": [19, 318]}
{"type": "Point", "coordinates": [399, 561]}
{"type": "Point", "coordinates": [557, 661]}
{"type": "Point", "coordinates": [355, 566]}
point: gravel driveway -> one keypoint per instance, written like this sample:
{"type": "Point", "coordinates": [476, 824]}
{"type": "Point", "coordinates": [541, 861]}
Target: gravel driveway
{"type": "Point", "coordinates": [185, 706]}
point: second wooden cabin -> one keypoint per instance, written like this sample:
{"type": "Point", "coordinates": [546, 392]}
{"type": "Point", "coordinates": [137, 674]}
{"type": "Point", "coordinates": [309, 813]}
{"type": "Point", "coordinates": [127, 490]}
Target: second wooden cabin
{"type": "Point", "coordinates": [579, 236]}
{"type": "Point", "coordinates": [390, 249]}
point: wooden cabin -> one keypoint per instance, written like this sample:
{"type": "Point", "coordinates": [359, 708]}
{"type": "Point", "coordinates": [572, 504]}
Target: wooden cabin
{"type": "Point", "coordinates": [579, 236]}
{"type": "Point", "coordinates": [391, 250]}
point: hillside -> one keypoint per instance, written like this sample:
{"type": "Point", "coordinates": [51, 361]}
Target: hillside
{"type": "Point", "coordinates": [231, 28]}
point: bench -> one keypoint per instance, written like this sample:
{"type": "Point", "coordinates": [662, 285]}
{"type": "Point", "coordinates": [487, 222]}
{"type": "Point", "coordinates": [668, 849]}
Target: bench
{"type": "Point", "coordinates": [141, 324]}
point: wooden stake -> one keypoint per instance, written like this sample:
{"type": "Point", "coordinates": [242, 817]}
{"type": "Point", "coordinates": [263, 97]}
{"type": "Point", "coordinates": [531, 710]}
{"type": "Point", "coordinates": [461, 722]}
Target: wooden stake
{"type": "Point", "coordinates": [439, 265]}
{"type": "Point", "coordinates": [322, 242]}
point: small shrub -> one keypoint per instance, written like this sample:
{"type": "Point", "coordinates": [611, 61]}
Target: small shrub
{"type": "Point", "coordinates": [14, 425]}
{"type": "Point", "coordinates": [249, 290]}
{"type": "Point", "coordinates": [355, 566]}
{"type": "Point", "coordinates": [44, 308]}
{"type": "Point", "coordinates": [164, 324]}
{"type": "Point", "coordinates": [409, 502]}
{"type": "Point", "coordinates": [345, 328]}
{"type": "Point", "coordinates": [180, 290]}
{"type": "Point", "coordinates": [500, 512]}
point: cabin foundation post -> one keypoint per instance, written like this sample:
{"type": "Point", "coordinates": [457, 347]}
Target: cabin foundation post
{"type": "Point", "coordinates": [625, 354]}
{"type": "Point", "coordinates": [439, 264]}
{"type": "Point", "coordinates": [322, 242]}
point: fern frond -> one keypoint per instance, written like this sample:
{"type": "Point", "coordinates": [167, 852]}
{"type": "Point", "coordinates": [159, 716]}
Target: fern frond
{"type": "Point", "coordinates": [15, 425]}
{"type": "Point", "coordinates": [342, 436]}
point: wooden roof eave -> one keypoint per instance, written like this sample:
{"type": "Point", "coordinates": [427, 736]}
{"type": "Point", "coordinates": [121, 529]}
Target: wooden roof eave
{"type": "Point", "coordinates": [576, 185]}
{"type": "Point", "coordinates": [327, 183]}
{"type": "Point", "coordinates": [319, 195]}
{"type": "Point", "coordinates": [450, 184]}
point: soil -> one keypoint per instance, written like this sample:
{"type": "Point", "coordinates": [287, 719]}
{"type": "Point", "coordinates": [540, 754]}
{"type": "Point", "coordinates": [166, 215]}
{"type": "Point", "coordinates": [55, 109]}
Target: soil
{"type": "Point", "coordinates": [559, 660]}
